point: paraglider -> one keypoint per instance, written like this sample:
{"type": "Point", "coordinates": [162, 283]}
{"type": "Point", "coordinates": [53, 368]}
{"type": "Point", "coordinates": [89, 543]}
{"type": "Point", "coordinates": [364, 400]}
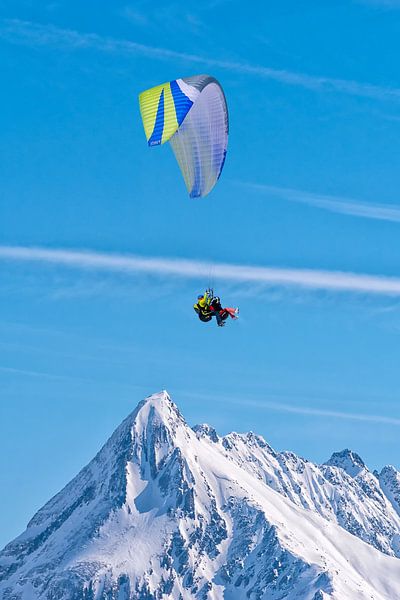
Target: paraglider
{"type": "Point", "coordinates": [191, 113]}
{"type": "Point", "coordinates": [209, 306]}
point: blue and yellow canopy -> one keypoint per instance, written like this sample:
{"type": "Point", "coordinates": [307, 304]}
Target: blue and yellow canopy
{"type": "Point", "coordinates": [192, 114]}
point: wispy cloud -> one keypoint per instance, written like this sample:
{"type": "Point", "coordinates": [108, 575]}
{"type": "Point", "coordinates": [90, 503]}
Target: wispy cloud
{"type": "Point", "coordinates": [331, 414]}
{"type": "Point", "coordinates": [337, 204]}
{"type": "Point", "coordinates": [29, 33]}
{"type": "Point", "coordinates": [134, 16]}
{"type": "Point", "coordinates": [40, 374]}
{"type": "Point", "coordinates": [278, 406]}
{"type": "Point", "coordinates": [312, 279]}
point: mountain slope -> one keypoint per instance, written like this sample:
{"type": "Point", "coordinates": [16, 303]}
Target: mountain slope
{"type": "Point", "coordinates": [342, 490]}
{"type": "Point", "coordinates": [164, 511]}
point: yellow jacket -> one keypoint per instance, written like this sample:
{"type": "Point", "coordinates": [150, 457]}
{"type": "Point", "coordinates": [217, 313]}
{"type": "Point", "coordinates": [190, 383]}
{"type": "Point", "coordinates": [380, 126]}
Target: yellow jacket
{"type": "Point", "coordinates": [202, 307]}
{"type": "Point", "coordinates": [203, 302]}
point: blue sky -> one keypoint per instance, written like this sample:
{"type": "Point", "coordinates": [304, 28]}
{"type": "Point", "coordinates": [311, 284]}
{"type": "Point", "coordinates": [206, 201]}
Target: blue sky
{"type": "Point", "coordinates": [301, 232]}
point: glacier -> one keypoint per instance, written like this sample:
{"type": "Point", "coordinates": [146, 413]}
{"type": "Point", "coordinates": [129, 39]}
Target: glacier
{"type": "Point", "coordinates": [169, 511]}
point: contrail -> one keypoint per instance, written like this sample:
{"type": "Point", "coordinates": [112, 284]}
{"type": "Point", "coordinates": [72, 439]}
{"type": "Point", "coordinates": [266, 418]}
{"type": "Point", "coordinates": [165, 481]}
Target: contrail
{"type": "Point", "coordinates": [336, 204]}
{"type": "Point", "coordinates": [277, 406]}
{"type": "Point", "coordinates": [313, 279]}
{"type": "Point", "coordinates": [334, 414]}
{"type": "Point", "coordinates": [37, 34]}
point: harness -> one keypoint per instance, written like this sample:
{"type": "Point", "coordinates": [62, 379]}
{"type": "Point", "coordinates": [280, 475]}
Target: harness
{"type": "Point", "coordinates": [203, 312]}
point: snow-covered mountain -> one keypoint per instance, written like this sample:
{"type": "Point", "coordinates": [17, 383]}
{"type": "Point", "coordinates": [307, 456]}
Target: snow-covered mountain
{"type": "Point", "coordinates": [166, 511]}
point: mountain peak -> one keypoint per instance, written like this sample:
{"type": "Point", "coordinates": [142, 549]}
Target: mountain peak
{"type": "Point", "coordinates": [162, 511]}
{"type": "Point", "coordinates": [160, 401]}
{"type": "Point", "coordinates": [205, 430]}
{"type": "Point", "coordinates": [389, 480]}
{"type": "Point", "coordinates": [347, 460]}
{"type": "Point", "coordinates": [159, 397]}
{"type": "Point", "coordinates": [159, 404]}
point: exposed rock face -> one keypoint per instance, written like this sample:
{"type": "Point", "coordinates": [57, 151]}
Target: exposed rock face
{"type": "Point", "coordinates": [166, 511]}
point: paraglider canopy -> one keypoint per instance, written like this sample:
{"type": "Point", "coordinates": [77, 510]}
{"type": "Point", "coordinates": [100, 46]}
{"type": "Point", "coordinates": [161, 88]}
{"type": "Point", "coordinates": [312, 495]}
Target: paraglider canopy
{"type": "Point", "coordinates": [191, 114]}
